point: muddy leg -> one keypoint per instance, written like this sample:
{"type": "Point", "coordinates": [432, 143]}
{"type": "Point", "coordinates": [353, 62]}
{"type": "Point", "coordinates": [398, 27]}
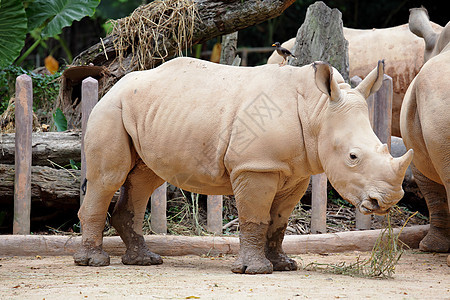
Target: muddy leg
{"type": "Point", "coordinates": [254, 193]}
{"type": "Point", "coordinates": [438, 237]}
{"type": "Point", "coordinates": [282, 207]}
{"type": "Point", "coordinates": [129, 214]}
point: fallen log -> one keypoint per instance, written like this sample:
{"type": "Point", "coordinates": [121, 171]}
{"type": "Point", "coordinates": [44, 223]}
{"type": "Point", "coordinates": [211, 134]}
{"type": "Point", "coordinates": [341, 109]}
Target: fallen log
{"type": "Point", "coordinates": [58, 188]}
{"type": "Point", "coordinates": [47, 147]}
{"type": "Point", "coordinates": [55, 187]}
{"type": "Point", "coordinates": [167, 245]}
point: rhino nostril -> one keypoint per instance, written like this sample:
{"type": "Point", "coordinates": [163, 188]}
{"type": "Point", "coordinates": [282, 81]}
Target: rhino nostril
{"type": "Point", "coordinates": [374, 204]}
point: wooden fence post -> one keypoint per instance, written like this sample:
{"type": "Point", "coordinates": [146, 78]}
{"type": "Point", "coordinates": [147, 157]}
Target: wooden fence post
{"type": "Point", "coordinates": [159, 206]}
{"type": "Point", "coordinates": [89, 98]}
{"type": "Point", "coordinates": [319, 203]}
{"type": "Point", "coordinates": [22, 179]}
{"type": "Point", "coordinates": [383, 111]}
{"type": "Point", "coordinates": [214, 213]}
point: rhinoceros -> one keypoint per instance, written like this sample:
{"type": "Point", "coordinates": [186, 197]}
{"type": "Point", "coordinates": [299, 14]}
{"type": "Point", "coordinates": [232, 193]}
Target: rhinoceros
{"type": "Point", "coordinates": [258, 133]}
{"type": "Point", "coordinates": [402, 51]}
{"type": "Point", "coordinates": [425, 127]}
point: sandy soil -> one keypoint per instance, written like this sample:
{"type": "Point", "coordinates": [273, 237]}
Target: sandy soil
{"type": "Point", "coordinates": [418, 276]}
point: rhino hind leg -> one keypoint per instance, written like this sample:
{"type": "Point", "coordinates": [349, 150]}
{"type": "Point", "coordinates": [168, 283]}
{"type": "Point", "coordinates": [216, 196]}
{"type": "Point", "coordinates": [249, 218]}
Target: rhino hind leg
{"type": "Point", "coordinates": [129, 212]}
{"type": "Point", "coordinates": [105, 139]}
{"type": "Point", "coordinates": [92, 215]}
{"type": "Point", "coordinates": [282, 208]}
{"type": "Point", "coordinates": [254, 193]}
{"type": "Point", "coordinates": [438, 237]}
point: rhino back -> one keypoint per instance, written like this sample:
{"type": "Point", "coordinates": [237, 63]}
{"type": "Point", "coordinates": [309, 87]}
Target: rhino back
{"type": "Point", "coordinates": [198, 121]}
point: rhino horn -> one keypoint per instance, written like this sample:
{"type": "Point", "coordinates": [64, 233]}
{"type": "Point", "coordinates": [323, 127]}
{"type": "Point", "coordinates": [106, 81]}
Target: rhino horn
{"type": "Point", "coordinates": [373, 81]}
{"type": "Point", "coordinates": [325, 81]}
{"type": "Point", "coordinates": [401, 163]}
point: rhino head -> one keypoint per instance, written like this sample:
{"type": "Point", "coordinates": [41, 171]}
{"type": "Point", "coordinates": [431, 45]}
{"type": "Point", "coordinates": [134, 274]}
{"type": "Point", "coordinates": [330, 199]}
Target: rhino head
{"type": "Point", "coordinates": [356, 163]}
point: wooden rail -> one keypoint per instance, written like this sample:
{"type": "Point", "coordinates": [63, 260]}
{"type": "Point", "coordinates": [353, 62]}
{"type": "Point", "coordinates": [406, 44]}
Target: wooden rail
{"type": "Point", "coordinates": [380, 108]}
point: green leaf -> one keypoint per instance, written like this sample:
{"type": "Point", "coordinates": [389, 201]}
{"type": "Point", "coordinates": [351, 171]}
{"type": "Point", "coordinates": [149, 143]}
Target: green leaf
{"type": "Point", "coordinates": [74, 165]}
{"type": "Point", "coordinates": [13, 28]}
{"type": "Point", "coordinates": [60, 120]}
{"type": "Point", "coordinates": [54, 15]}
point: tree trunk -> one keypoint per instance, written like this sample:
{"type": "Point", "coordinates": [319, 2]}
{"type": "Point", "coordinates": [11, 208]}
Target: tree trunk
{"type": "Point", "coordinates": [47, 147]}
{"type": "Point", "coordinates": [321, 37]}
{"type": "Point", "coordinates": [229, 47]}
{"type": "Point", "coordinates": [215, 18]}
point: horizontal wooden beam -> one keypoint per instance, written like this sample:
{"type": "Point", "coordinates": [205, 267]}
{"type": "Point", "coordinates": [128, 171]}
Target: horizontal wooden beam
{"type": "Point", "coordinates": [172, 245]}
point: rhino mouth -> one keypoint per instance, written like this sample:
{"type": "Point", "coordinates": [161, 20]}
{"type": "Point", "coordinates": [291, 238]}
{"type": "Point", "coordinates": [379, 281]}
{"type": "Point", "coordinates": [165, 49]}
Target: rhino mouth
{"type": "Point", "coordinates": [370, 206]}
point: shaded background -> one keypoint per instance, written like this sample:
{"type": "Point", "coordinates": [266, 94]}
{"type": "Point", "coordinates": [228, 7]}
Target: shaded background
{"type": "Point", "coordinates": [355, 14]}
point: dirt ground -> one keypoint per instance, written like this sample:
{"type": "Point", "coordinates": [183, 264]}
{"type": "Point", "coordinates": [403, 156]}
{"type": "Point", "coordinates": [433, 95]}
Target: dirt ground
{"type": "Point", "coordinates": [418, 276]}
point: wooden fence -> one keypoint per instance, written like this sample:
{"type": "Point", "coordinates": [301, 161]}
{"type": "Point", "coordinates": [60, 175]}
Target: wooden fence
{"type": "Point", "coordinates": [380, 116]}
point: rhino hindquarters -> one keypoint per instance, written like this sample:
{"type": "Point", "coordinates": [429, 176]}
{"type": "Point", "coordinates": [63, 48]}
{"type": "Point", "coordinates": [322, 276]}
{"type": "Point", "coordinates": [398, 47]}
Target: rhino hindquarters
{"type": "Point", "coordinates": [129, 212]}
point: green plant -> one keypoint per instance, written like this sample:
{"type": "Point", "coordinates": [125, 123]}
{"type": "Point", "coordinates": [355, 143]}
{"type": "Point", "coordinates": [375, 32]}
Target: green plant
{"type": "Point", "coordinates": [13, 28]}
{"type": "Point", "coordinates": [42, 19]}
{"type": "Point", "coordinates": [60, 120]}
{"type": "Point", "coordinates": [335, 198]}
{"type": "Point", "coordinates": [45, 90]}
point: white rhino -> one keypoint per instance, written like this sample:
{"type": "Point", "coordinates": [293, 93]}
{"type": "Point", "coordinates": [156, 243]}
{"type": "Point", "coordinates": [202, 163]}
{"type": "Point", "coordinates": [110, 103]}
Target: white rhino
{"type": "Point", "coordinates": [256, 132]}
{"type": "Point", "coordinates": [425, 126]}
{"type": "Point", "coordinates": [402, 51]}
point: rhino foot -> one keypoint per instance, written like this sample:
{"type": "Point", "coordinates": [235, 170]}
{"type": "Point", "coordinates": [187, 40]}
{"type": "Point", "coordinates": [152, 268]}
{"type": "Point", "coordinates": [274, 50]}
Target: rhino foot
{"type": "Point", "coordinates": [94, 257]}
{"type": "Point", "coordinates": [435, 241]}
{"type": "Point", "coordinates": [142, 258]}
{"type": "Point", "coordinates": [252, 266]}
{"type": "Point", "coordinates": [284, 263]}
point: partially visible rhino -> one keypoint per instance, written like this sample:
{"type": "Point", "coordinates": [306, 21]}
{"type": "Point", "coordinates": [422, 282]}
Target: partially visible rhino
{"type": "Point", "coordinates": [256, 132]}
{"type": "Point", "coordinates": [425, 126]}
{"type": "Point", "coordinates": [402, 51]}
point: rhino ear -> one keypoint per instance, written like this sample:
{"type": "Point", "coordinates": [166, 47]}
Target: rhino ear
{"type": "Point", "coordinates": [372, 82]}
{"type": "Point", "coordinates": [419, 24]}
{"type": "Point", "coordinates": [325, 81]}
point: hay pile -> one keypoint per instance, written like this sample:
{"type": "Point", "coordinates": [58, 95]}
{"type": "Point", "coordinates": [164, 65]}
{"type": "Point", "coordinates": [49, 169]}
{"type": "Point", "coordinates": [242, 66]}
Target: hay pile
{"type": "Point", "coordinates": [151, 28]}
{"type": "Point", "coordinates": [382, 262]}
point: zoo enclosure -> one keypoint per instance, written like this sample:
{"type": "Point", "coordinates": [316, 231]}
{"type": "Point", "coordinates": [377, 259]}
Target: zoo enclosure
{"type": "Point", "coordinates": [380, 114]}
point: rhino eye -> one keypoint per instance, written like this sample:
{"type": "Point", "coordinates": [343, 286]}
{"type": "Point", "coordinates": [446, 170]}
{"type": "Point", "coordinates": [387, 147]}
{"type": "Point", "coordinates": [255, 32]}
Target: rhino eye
{"type": "Point", "coordinates": [353, 156]}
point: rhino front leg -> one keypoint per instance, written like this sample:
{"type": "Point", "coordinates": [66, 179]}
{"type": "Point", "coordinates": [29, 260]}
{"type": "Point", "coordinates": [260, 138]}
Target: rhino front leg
{"type": "Point", "coordinates": [282, 207]}
{"type": "Point", "coordinates": [438, 237]}
{"type": "Point", "coordinates": [254, 193]}
{"type": "Point", "coordinates": [129, 212]}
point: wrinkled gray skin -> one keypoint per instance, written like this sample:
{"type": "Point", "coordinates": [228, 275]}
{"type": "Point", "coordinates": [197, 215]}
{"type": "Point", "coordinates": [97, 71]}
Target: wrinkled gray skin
{"type": "Point", "coordinates": [425, 127]}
